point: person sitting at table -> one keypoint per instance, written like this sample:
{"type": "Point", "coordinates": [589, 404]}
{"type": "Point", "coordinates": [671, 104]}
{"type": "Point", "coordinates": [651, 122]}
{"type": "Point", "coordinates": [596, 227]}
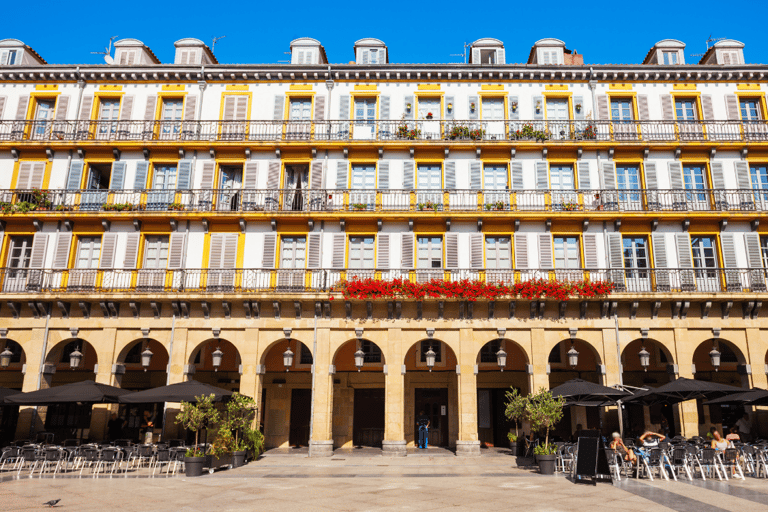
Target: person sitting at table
{"type": "Point", "coordinates": [718, 443]}
{"type": "Point", "coordinates": [733, 435]}
{"type": "Point", "coordinates": [618, 446]}
{"type": "Point", "coordinates": [651, 439]}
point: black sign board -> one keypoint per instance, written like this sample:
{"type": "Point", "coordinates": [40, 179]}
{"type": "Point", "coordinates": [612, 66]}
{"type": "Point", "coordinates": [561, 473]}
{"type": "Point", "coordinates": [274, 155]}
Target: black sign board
{"type": "Point", "coordinates": [591, 461]}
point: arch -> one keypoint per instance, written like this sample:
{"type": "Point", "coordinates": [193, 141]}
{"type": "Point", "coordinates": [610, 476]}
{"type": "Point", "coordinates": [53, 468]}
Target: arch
{"type": "Point", "coordinates": [12, 377]}
{"type": "Point", "coordinates": [729, 43]}
{"type": "Point", "coordinates": [369, 41]}
{"type": "Point", "coordinates": [128, 42]}
{"type": "Point", "coordinates": [516, 355]}
{"type": "Point", "coordinates": [202, 355]}
{"type": "Point", "coordinates": [587, 368]}
{"type": "Point", "coordinates": [19, 356]}
{"type": "Point", "coordinates": [669, 43]}
{"type": "Point", "coordinates": [487, 41]}
{"type": "Point", "coordinates": [11, 42]}
{"type": "Point", "coordinates": [344, 357]}
{"type": "Point", "coordinates": [266, 352]}
{"type": "Point", "coordinates": [130, 355]}
{"type": "Point", "coordinates": [730, 355]}
{"type": "Point", "coordinates": [660, 356]}
{"type": "Point", "coordinates": [549, 41]}
{"type": "Point", "coordinates": [272, 358]}
{"type": "Point", "coordinates": [189, 41]}
{"type": "Point", "coordinates": [59, 354]}
{"type": "Point", "coordinates": [445, 361]}
{"type": "Point", "coordinates": [305, 41]}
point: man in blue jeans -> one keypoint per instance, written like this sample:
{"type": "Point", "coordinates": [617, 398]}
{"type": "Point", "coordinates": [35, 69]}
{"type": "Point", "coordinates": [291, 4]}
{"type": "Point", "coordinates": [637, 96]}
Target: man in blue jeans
{"type": "Point", "coordinates": [423, 422]}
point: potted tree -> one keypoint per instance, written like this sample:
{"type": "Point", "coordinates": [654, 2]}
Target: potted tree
{"type": "Point", "coordinates": [517, 407]}
{"type": "Point", "coordinates": [240, 412]}
{"type": "Point", "coordinates": [197, 417]}
{"type": "Point", "coordinates": [544, 412]}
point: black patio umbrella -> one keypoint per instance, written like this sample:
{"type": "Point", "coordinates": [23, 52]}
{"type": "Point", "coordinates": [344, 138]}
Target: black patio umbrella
{"type": "Point", "coordinates": [4, 392]}
{"type": "Point", "coordinates": [86, 391]}
{"type": "Point", "coordinates": [587, 394]}
{"type": "Point", "coordinates": [680, 390]}
{"type": "Point", "coordinates": [754, 396]}
{"type": "Point", "coordinates": [181, 392]}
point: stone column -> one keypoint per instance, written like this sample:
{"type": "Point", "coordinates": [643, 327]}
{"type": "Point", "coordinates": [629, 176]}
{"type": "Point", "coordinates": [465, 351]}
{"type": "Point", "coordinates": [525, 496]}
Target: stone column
{"type": "Point", "coordinates": [689, 415]}
{"type": "Point", "coordinates": [757, 350]}
{"type": "Point", "coordinates": [321, 442]}
{"type": "Point", "coordinates": [394, 407]}
{"type": "Point", "coordinates": [468, 443]}
{"type": "Point", "coordinates": [176, 362]}
{"type": "Point", "coordinates": [28, 417]}
{"type": "Point", "coordinates": [100, 412]}
{"type": "Point", "coordinates": [539, 358]}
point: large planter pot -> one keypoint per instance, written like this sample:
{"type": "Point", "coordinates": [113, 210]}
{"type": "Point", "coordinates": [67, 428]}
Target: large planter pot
{"type": "Point", "coordinates": [547, 464]}
{"type": "Point", "coordinates": [238, 459]}
{"type": "Point", "coordinates": [193, 466]}
{"type": "Point", "coordinates": [513, 447]}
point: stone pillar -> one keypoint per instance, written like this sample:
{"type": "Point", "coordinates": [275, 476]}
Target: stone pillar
{"type": "Point", "coordinates": [394, 407]}
{"type": "Point", "coordinates": [689, 415]}
{"type": "Point", "coordinates": [106, 355]}
{"type": "Point", "coordinates": [756, 358]}
{"type": "Point", "coordinates": [29, 421]}
{"type": "Point", "coordinates": [539, 358]}
{"type": "Point", "coordinates": [176, 362]}
{"type": "Point", "coordinates": [321, 442]}
{"type": "Point", "coordinates": [468, 443]}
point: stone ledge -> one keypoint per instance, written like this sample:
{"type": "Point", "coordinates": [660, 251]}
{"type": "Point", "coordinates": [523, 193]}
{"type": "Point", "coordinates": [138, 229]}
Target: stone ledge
{"type": "Point", "coordinates": [468, 448]}
{"type": "Point", "coordinates": [321, 448]}
{"type": "Point", "coordinates": [393, 448]}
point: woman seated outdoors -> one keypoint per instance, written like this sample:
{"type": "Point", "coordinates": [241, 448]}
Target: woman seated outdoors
{"type": "Point", "coordinates": [733, 435]}
{"type": "Point", "coordinates": [618, 446]}
{"type": "Point", "coordinates": [652, 439]}
{"type": "Point", "coordinates": [718, 443]}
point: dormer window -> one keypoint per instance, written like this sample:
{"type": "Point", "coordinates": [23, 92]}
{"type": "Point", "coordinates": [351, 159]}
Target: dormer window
{"type": "Point", "coordinates": [669, 58]}
{"type": "Point", "coordinates": [550, 57]}
{"type": "Point", "coordinates": [487, 56]}
{"type": "Point", "coordinates": [9, 57]}
{"type": "Point", "coordinates": [374, 55]}
{"type": "Point", "coordinates": [487, 51]}
{"type": "Point", "coordinates": [127, 58]}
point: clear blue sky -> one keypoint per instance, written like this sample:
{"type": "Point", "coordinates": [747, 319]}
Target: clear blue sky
{"type": "Point", "coordinates": [260, 32]}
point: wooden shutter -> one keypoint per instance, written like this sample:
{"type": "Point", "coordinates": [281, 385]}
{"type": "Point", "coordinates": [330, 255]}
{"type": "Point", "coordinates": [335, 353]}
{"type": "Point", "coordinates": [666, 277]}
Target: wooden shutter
{"type": "Point", "coordinates": [279, 112]}
{"type": "Point", "coordinates": [449, 114]}
{"type": "Point", "coordinates": [207, 177]}
{"type": "Point", "coordinates": [609, 175]}
{"type": "Point", "coordinates": [176, 250]}
{"type": "Point", "coordinates": [500, 57]}
{"type": "Point", "coordinates": [62, 105]}
{"type": "Point", "coordinates": [521, 251]}
{"type": "Point", "coordinates": [344, 107]}
{"type": "Point", "coordinates": [728, 243]}
{"type": "Point", "coordinates": [578, 100]}
{"type": "Point", "coordinates": [642, 107]}
{"type": "Point", "coordinates": [476, 175]}
{"type": "Point", "coordinates": [476, 250]}
{"type": "Point", "coordinates": [517, 175]}
{"type": "Point", "coordinates": [319, 108]}
{"type": "Point", "coordinates": [108, 246]}
{"type": "Point", "coordinates": [408, 175]}
{"type": "Point", "coordinates": [149, 111]}
{"type": "Point", "coordinates": [659, 241]}
{"type": "Point", "coordinates": [37, 175]}
{"type": "Point", "coordinates": [754, 253]}
{"type": "Point", "coordinates": [229, 108]}
{"type": "Point", "coordinates": [3, 99]}
{"type": "Point", "coordinates": [273, 175]}
{"type": "Point", "coordinates": [342, 175]}
{"type": "Point", "coordinates": [75, 177]}
{"type": "Point", "coordinates": [590, 251]}
{"type": "Point", "coordinates": [25, 171]}
{"type": "Point", "coordinates": [339, 245]}
{"type": "Point", "coordinates": [582, 167]}
{"type": "Point", "coordinates": [184, 180]}
{"type": "Point", "coordinates": [615, 250]}
{"type": "Point", "coordinates": [21, 108]}
{"type": "Point", "coordinates": [707, 109]}
{"type": "Point", "coordinates": [251, 175]}
{"type": "Point", "coordinates": [382, 252]}
{"type": "Point", "coordinates": [384, 108]}
{"type": "Point", "coordinates": [732, 107]}
{"type": "Point", "coordinates": [676, 176]}
{"type": "Point", "coordinates": [85, 107]}
{"type": "Point", "coordinates": [229, 249]}
{"type": "Point", "coordinates": [450, 174]}
{"type": "Point", "coordinates": [514, 114]}
{"type": "Point", "coordinates": [683, 245]}
{"type": "Point", "coordinates": [241, 107]}
{"type": "Point", "coordinates": [651, 181]}
{"type": "Point", "coordinates": [190, 107]}
{"type": "Point", "coordinates": [126, 108]}
{"type": "Point", "coordinates": [216, 250]}
{"type": "Point", "coordinates": [474, 114]}
{"type": "Point", "coordinates": [61, 254]}
{"type": "Point", "coordinates": [603, 109]}
{"type": "Point", "coordinates": [131, 250]}
{"type": "Point", "coordinates": [383, 174]}
{"type": "Point", "coordinates": [406, 246]}
{"type": "Point", "coordinates": [39, 249]}
{"type": "Point", "coordinates": [667, 108]}
{"type": "Point", "coordinates": [542, 180]}
{"type": "Point", "coordinates": [140, 180]}
{"type": "Point", "coordinates": [313, 250]}
{"type": "Point", "coordinates": [408, 114]}
{"type": "Point", "coordinates": [742, 175]}
{"type": "Point", "coordinates": [452, 250]}
{"type": "Point", "coordinates": [117, 177]}
{"type": "Point", "coordinates": [476, 56]}
{"type": "Point", "coordinates": [268, 258]}
{"type": "Point", "coordinates": [718, 177]}
{"type": "Point", "coordinates": [545, 251]}
{"type": "Point", "coordinates": [316, 181]}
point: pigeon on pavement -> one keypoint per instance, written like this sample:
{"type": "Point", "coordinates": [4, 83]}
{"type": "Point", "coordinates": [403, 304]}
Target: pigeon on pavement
{"type": "Point", "coordinates": [52, 502]}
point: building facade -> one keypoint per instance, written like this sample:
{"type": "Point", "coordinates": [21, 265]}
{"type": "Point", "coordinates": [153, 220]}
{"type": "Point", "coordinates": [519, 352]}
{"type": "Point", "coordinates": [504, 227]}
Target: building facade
{"type": "Point", "coordinates": [205, 215]}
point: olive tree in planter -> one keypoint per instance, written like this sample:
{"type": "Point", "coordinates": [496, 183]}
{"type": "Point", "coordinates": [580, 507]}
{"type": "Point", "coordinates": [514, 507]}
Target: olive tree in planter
{"type": "Point", "coordinates": [517, 407]}
{"type": "Point", "coordinates": [197, 416]}
{"type": "Point", "coordinates": [240, 413]}
{"type": "Point", "coordinates": [544, 412]}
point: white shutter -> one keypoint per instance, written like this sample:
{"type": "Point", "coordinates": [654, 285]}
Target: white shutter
{"type": "Point", "coordinates": [3, 99]}
{"type": "Point", "coordinates": [728, 243]}
{"type": "Point", "coordinates": [383, 174]}
{"type": "Point", "coordinates": [616, 250]}
{"type": "Point", "coordinates": [651, 181]}
{"type": "Point", "coordinates": [108, 246]}
{"type": "Point", "coordinates": [384, 108]}
{"type": "Point", "coordinates": [241, 108]}
{"type": "Point", "coordinates": [184, 180]}
{"type": "Point", "coordinates": [476, 250]}
{"type": "Point", "coordinates": [609, 175]}
{"type": "Point", "coordinates": [667, 108]}
{"type": "Point", "coordinates": [642, 107]}
{"type": "Point", "coordinates": [279, 112]}
{"type": "Point", "coordinates": [382, 253]}
{"type": "Point", "coordinates": [21, 108]}
{"type": "Point", "coordinates": [140, 180]}
{"type": "Point", "coordinates": [660, 261]}
{"type": "Point", "coordinates": [590, 251]}
{"type": "Point", "coordinates": [117, 177]}
{"type": "Point", "coordinates": [149, 110]}
{"type": "Point", "coordinates": [25, 172]}
{"type": "Point", "coordinates": [126, 109]}
{"type": "Point", "coordinates": [742, 175]}
{"type": "Point", "coordinates": [408, 175]}
{"type": "Point", "coordinates": [176, 250]}
{"type": "Point", "coordinates": [732, 107]}
{"type": "Point", "coordinates": [319, 108]}
{"type": "Point", "coordinates": [475, 175]}
{"type": "Point", "coordinates": [313, 250]}
{"type": "Point", "coordinates": [268, 258]}
{"type": "Point", "coordinates": [583, 171]}
{"type": "Point", "coordinates": [229, 108]}
{"type": "Point", "coordinates": [131, 250]}
{"type": "Point", "coordinates": [754, 255]}
{"type": "Point", "coordinates": [190, 107]}
{"type": "Point", "coordinates": [517, 175]}
{"type": "Point", "coordinates": [37, 175]}
{"type": "Point", "coordinates": [344, 107]}
{"type": "Point", "coordinates": [229, 249]}
{"type": "Point", "coordinates": [216, 250]}
{"type": "Point", "coordinates": [251, 175]}
{"type": "Point", "coordinates": [718, 178]}
{"type": "Point", "coordinates": [339, 246]}
{"type": "Point", "coordinates": [683, 245]}
{"type": "Point", "coordinates": [273, 176]}
{"type": "Point", "coordinates": [545, 251]}
{"type": "Point", "coordinates": [452, 250]}
{"type": "Point", "coordinates": [61, 254]}
{"type": "Point", "coordinates": [208, 175]}
{"type": "Point", "coordinates": [450, 174]}
{"type": "Point", "coordinates": [521, 251]}
{"type": "Point", "coordinates": [676, 176]}
{"type": "Point", "coordinates": [85, 108]}
{"type": "Point", "coordinates": [542, 180]}
{"type": "Point", "coordinates": [707, 109]}
{"type": "Point", "coordinates": [603, 111]}
{"type": "Point", "coordinates": [342, 178]}
{"type": "Point", "coordinates": [316, 178]}
{"type": "Point", "coordinates": [406, 258]}
{"type": "Point", "coordinates": [62, 105]}
{"type": "Point", "coordinates": [39, 249]}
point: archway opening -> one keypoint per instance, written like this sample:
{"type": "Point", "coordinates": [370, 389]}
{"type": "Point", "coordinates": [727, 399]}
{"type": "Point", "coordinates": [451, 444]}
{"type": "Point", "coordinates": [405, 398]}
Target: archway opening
{"type": "Point", "coordinates": [731, 371]}
{"type": "Point", "coordinates": [11, 377]}
{"type": "Point", "coordinates": [205, 358]}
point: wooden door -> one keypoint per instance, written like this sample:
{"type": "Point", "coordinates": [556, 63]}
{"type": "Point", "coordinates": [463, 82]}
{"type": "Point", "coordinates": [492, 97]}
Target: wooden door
{"type": "Point", "coordinates": [301, 403]}
{"type": "Point", "coordinates": [434, 403]}
{"type": "Point", "coordinates": [368, 421]}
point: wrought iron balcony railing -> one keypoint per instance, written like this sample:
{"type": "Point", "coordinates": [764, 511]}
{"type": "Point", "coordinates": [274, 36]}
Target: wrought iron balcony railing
{"type": "Point", "coordinates": [424, 130]}
{"type": "Point", "coordinates": [383, 200]}
{"type": "Point", "coordinates": [265, 281]}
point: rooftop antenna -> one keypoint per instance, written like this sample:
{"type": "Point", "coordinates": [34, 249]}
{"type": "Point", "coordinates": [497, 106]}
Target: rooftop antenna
{"type": "Point", "coordinates": [711, 40]}
{"type": "Point", "coordinates": [284, 61]}
{"type": "Point", "coordinates": [213, 44]}
{"type": "Point", "coordinates": [462, 55]}
{"type": "Point", "coordinates": [107, 53]}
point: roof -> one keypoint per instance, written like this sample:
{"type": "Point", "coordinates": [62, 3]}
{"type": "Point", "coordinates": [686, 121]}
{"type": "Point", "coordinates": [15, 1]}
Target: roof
{"type": "Point", "coordinates": [550, 41]}
{"type": "Point", "coordinates": [17, 43]}
{"type": "Point", "coordinates": [487, 41]}
{"type": "Point", "coordinates": [664, 43]}
{"type": "Point", "coordinates": [725, 43]}
{"type": "Point", "coordinates": [369, 41]}
{"type": "Point", "coordinates": [191, 41]}
{"type": "Point", "coordinates": [136, 42]}
{"type": "Point", "coordinates": [308, 41]}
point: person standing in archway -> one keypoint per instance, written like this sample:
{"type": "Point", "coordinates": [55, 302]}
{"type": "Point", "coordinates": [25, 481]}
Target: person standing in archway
{"type": "Point", "coordinates": [423, 423]}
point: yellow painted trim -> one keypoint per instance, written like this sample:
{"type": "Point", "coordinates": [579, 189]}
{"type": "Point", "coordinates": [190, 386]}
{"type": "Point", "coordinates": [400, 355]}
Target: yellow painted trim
{"type": "Point", "coordinates": [492, 87]}
{"type": "Point", "coordinates": [625, 87]}
{"type": "Point", "coordinates": [301, 87]}
{"type": "Point", "coordinates": [429, 87]}
{"type": "Point", "coordinates": [173, 87]}
{"type": "Point", "coordinates": [99, 96]}
{"type": "Point", "coordinates": [760, 97]}
{"type": "Point", "coordinates": [35, 96]}
{"type": "Point", "coordinates": [110, 87]}
{"type": "Point", "coordinates": [365, 94]}
{"type": "Point", "coordinates": [46, 87]}
{"type": "Point", "coordinates": [46, 173]}
{"type": "Point", "coordinates": [233, 87]}
{"type": "Point", "coordinates": [223, 99]}
{"type": "Point", "coordinates": [240, 250]}
{"type": "Point", "coordinates": [362, 234]}
{"type": "Point", "coordinates": [556, 87]}
{"type": "Point", "coordinates": [366, 87]}
{"type": "Point", "coordinates": [558, 95]}
{"type": "Point", "coordinates": [86, 168]}
{"type": "Point", "coordinates": [170, 95]}
{"type": "Point", "coordinates": [206, 250]}
{"type": "Point", "coordinates": [748, 87]}
{"type": "Point", "coordinates": [687, 87]}
{"type": "Point", "coordinates": [428, 94]}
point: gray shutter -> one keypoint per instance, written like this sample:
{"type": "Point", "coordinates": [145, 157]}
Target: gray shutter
{"type": "Point", "coordinates": [316, 181]}
{"type": "Point", "coordinates": [149, 111]}
{"type": "Point", "coordinates": [313, 250]}
{"type": "Point", "coordinates": [742, 175]}
{"type": "Point", "coordinates": [616, 250]}
{"type": "Point", "coordinates": [408, 175]}
{"type": "Point", "coordinates": [229, 108]}
{"type": "Point", "coordinates": [251, 175]}
{"type": "Point", "coordinates": [126, 108]}
{"type": "Point", "coordinates": [642, 107]}
{"type": "Point", "coordinates": [474, 114]}
{"type": "Point", "coordinates": [21, 108]}
{"type": "Point", "coordinates": [273, 175]}
{"type": "Point", "coordinates": [85, 107]}
{"type": "Point", "coordinates": [268, 258]}
{"type": "Point", "coordinates": [384, 174]}
{"type": "Point", "coordinates": [476, 56]}
{"type": "Point", "coordinates": [39, 249]}
{"type": "Point", "coordinates": [667, 108]}
{"type": "Point", "coordinates": [545, 251]}
{"type": "Point", "coordinates": [476, 250]}
{"type": "Point", "coordinates": [25, 171]}
{"type": "Point", "coordinates": [521, 251]}
{"type": "Point", "coordinates": [342, 175]}
{"type": "Point", "coordinates": [449, 114]}
{"type": "Point", "coordinates": [241, 108]}
{"type": "Point", "coordinates": [542, 180]}
{"type": "Point", "coordinates": [582, 167]}
{"type": "Point", "coordinates": [500, 57]}
{"type": "Point", "coordinates": [184, 180]}
{"type": "Point", "coordinates": [117, 177]}
{"type": "Point", "coordinates": [319, 108]}
{"type": "Point", "coordinates": [75, 175]}
{"type": "Point", "coordinates": [406, 246]}
{"type": "Point", "coordinates": [729, 250]}
{"type": "Point", "coordinates": [517, 175]}
{"type": "Point", "coordinates": [707, 109]}
{"type": "Point", "coordinates": [603, 110]}
{"type": "Point", "coordinates": [408, 114]}
{"type": "Point", "coordinates": [279, 112]}
{"type": "Point", "coordinates": [229, 250]}
{"type": "Point", "coordinates": [61, 254]}
{"type": "Point", "coordinates": [732, 107]}
{"type": "Point", "coordinates": [382, 253]}
{"type": "Point", "coordinates": [384, 108]}
{"type": "Point", "coordinates": [140, 181]}
{"type": "Point", "coordinates": [578, 100]}
{"type": "Point", "coordinates": [208, 175]}
{"type": "Point", "coordinates": [609, 175]}
{"type": "Point", "coordinates": [38, 175]}
{"type": "Point", "coordinates": [190, 108]}
{"type": "Point", "coordinates": [651, 181]}
{"type": "Point", "coordinates": [108, 246]}
{"type": "Point", "coordinates": [590, 251]}
{"type": "Point", "coordinates": [176, 250]}
{"type": "Point", "coordinates": [661, 264]}
{"type": "Point", "coordinates": [754, 256]}
{"type": "Point", "coordinates": [676, 176]}
{"type": "Point", "coordinates": [131, 250]}
{"type": "Point", "coordinates": [62, 104]}
{"type": "Point", "coordinates": [450, 174]}
{"type": "Point", "coordinates": [344, 107]}
{"type": "Point", "coordinates": [452, 250]}
{"type": "Point", "coordinates": [683, 245]}
{"type": "Point", "coordinates": [514, 114]}
{"type": "Point", "coordinates": [476, 175]}
{"type": "Point", "coordinates": [539, 100]}
{"type": "Point", "coordinates": [3, 99]}
{"type": "Point", "coordinates": [718, 177]}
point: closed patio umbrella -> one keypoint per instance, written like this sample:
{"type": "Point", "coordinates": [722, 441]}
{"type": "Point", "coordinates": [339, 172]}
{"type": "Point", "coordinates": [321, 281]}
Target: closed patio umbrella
{"type": "Point", "coordinates": [181, 392]}
{"type": "Point", "coordinates": [680, 390]}
{"type": "Point", "coordinates": [587, 394]}
{"type": "Point", "coordinates": [86, 391]}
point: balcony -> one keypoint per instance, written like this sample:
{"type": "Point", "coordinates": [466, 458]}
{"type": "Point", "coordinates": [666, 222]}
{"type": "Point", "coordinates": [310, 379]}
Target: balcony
{"type": "Point", "coordinates": [255, 281]}
{"type": "Point", "coordinates": [423, 131]}
{"type": "Point", "coordinates": [382, 201]}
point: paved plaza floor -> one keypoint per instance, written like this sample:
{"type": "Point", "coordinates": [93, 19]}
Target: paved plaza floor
{"type": "Point", "coordinates": [361, 480]}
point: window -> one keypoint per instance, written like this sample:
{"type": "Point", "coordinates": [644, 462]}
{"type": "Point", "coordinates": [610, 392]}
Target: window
{"type": "Point", "coordinates": [669, 58]}
{"type": "Point", "coordinates": [764, 250]}
{"type": "Point", "coordinates": [759, 174]}
{"type": "Point", "coordinates": [567, 252]}
{"type": "Point", "coordinates": [635, 252]}
{"type": "Point", "coordinates": [628, 178]}
{"type": "Point", "coordinates": [171, 115]}
{"type": "Point", "coordinates": [694, 179]}
{"type": "Point", "coordinates": [9, 57]}
{"type": "Point", "coordinates": [704, 252]}
{"type": "Point", "coordinates": [363, 177]}
{"type": "Point", "coordinates": [300, 109]}
{"type": "Point", "coordinates": [495, 177]}
{"type": "Point", "coordinates": [371, 350]}
{"type": "Point", "coordinates": [493, 109]}
{"type": "Point", "coordinates": [497, 253]}
{"type": "Point", "coordinates": [374, 55]}
{"type": "Point", "coordinates": [164, 177]}
{"type": "Point", "coordinates": [750, 109]}
{"type": "Point", "coordinates": [549, 56]}
{"type": "Point", "coordinates": [88, 252]}
{"type": "Point", "coordinates": [292, 252]}
{"type": "Point", "coordinates": [429, 106]}
{"type": "Point", "coordinates": [156, 252]}
{"type": "Point", "coordinates": [365, 110]}
{"type": "Point", "coordinates": [487, 57]}
{"type": "Point", "coordinates": [430, 252]}
{"type": "Point", "coordinates": [109, 110]}
{"type": "Point", "coordinates": [20, 252]}
{"type": "Point", "coordinates": [621, 109]}
{"type": "Point", "coordinates": [557, 109]}
{"type": "Point", "coordinates": [436, 348]}
{"type": "Point", "coordinates": [561, 177]}
{"type": "Point", "coordinates": [686, 109]}
{"type": "Point", "coordinates": [43, 114]}
{"type": "Point", "coordinates": [429, 177]}
{"type": "Point", "coordinates": [361, 252]}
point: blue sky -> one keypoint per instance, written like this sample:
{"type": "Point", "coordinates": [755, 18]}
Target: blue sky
{"type": "Point", "coordinates": [260, 32]}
